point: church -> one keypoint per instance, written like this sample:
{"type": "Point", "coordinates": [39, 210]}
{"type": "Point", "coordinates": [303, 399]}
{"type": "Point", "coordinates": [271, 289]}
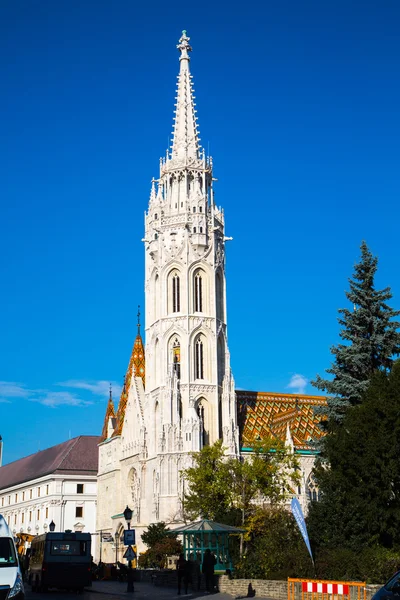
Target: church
{"type": "Point", "coordinates": [179, 393]}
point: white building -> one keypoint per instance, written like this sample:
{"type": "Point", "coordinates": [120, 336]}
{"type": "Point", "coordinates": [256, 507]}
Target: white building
{"type": "Point", "coordinates": [179, 392]}
{"type": "Point", "coordinates": [58, 484]}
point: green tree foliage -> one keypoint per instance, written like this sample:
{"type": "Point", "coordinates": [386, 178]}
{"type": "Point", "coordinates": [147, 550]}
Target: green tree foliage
{"type": "Point", "coordinates": [161, 543]}
{"type": "Point", "coordinates": [225, 489]}
{"type": "Point", "coordinates": [360, 490]}
{"type": "Point", "coordinates": [275, 548]}
{"type": "Point", "coordinates": [371, 340]}
{"type": "Point", "coordinates": [156, 532]}
{"type": "Point", "coordinates": [156, 556]}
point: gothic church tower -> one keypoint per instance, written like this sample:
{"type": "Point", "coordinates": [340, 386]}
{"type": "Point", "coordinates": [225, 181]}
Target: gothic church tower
{"type": "Point", "coordinates": [189, 387]}
{"type": "Point", "coordinates": [186, 397]}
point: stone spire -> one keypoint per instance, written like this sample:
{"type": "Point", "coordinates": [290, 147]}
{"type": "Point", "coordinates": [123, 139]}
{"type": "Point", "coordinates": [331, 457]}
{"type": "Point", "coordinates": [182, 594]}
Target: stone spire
{"type": "Point", "coordinates": [110, 414]}
{"type": "Point", "coordinates": [185, 144]}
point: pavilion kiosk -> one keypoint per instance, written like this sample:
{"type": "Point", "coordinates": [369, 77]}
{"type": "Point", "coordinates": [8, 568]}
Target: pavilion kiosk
{"type": "Point", "coordinates": [202, 535]}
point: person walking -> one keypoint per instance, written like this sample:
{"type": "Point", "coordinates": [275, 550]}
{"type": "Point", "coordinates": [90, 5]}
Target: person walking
{"type": "Point", "coordinates": [182, 568]}
{"type": "Point", "coordinates": [208, 570]}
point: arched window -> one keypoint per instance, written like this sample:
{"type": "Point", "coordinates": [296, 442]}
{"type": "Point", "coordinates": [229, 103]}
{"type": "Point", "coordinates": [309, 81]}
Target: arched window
{"type": "Point", "coordinates": [202, 412]}
{"type": "Point", "coordinates": [176, 357]}
{"type": "Point", "coordinates": [176, 293]}
{"type": "Point", "coordinates": [199, 359]}
{"type": "Point", "coordinates": [219, 292]}
{"type": "Point", "coordinates": [312, 489]}
{"type": "Point", "coordinates": [221, 359]}
{"type": "Point", "coordinates": [198, 293]}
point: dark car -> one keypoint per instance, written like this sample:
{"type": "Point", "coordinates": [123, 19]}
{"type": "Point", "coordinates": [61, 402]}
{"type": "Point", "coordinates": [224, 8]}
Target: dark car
{"type": "Point", "coordinates": [391, 589]}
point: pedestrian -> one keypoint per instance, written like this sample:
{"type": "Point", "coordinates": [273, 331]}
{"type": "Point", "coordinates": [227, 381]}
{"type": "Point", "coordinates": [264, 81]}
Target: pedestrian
{"type": "Point", "coordinates": [207, 568]}
{"type": "Point", "coordinates": [182, 568]}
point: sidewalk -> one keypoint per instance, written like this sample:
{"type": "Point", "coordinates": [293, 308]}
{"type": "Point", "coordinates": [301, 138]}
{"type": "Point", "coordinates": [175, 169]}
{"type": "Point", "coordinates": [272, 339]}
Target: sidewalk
{"type": "Point", "coordinates": [148, 591]}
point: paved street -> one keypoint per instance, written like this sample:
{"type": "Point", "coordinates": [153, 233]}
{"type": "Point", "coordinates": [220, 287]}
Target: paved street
{"type": "Point", "coordinates": [113, 590]}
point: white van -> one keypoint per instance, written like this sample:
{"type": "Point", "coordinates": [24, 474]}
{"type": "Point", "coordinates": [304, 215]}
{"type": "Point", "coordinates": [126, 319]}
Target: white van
{"type": "Point", "coordinates": [11, 584]}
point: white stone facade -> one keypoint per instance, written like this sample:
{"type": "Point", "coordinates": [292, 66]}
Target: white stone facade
{"type": "Point", "coordinates": [69, 501]}
{"type": "Point", "coordinates": [189, 396]}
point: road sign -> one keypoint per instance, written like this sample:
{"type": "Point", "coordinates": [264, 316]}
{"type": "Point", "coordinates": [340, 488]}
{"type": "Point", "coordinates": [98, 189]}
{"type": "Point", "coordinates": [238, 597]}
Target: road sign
{"type": "Point", "coordinates": [129, 537]}
{"type": "Point", "coordinates": [130, 554]}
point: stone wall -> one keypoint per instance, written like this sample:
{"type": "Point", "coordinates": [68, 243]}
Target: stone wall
{"type": "Point", "coordinates": [275, 590]}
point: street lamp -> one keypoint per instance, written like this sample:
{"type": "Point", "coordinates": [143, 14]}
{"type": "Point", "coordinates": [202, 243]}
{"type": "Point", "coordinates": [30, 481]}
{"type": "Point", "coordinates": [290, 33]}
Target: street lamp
{"type": "Point", "coordinates": [52, 526]}
{"type": "Point", "coordinates": [128, 518]}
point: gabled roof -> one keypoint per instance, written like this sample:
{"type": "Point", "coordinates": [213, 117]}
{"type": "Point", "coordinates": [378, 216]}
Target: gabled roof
{"type": "Point", "coordinates": [265, 414]}
{"type": "Point", "coordinates": [136, 368]}
{"type": "Point", "coordinates": [76, 456]}
{"type": "Point", "coordinates": [110, 414]}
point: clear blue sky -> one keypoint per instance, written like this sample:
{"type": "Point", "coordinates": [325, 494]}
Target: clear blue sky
{"type": "Point", "coordinates": [298, 103]}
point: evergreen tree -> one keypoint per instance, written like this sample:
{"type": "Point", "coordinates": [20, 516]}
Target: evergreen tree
{"type": "Point", "coordinates": [371, 340]}
{"type": "Point", "coordinates": [359, 502]}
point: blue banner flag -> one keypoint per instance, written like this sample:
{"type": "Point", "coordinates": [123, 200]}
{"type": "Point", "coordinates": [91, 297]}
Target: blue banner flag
{"type": "Point", "coordinates": [298, 515]}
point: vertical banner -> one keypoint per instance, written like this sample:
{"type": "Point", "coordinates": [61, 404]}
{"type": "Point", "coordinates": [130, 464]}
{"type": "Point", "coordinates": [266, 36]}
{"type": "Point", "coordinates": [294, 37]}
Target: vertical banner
{"type": "Point", "coordinates": [298, 515]}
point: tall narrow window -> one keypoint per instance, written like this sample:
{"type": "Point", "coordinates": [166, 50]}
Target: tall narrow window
{"type": "Point", "coordinates": [176, 351]}
{"type": "Point", "coordinates": [198, 293]}
{"type": "Point", "coordinates": [176, 295]}
{"type": "Point", "coordinates": [199, 360]}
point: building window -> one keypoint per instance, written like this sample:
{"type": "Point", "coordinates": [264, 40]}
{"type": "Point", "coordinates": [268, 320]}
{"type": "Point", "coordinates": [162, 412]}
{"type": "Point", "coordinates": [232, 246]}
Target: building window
{"type": "Point", "coordinates": [194, 209]}
{"type": "Point", "coordinates": [30, 516]}
{"type": "Point", "coordinates": [200, 209]}
{"type": "Point", "coordinates": [312, 489]}
{"type": "Point", "coordinates": [156, 217]}
{"type": "Point", "coordinates": [79, 488]}
{"type": "Point", "coordinates": [16, 497]}
{"type": "Point", "coordinates": [47, 490]}
{"type": "Point", "coordinates": [38, 492]}
{"type": "Point", "coordinates": [194, 229]}
{"type": "Point", "coordinates": [8, 520]}
{"type": "Point", "coordinates": [79, 511]}
{"type": "Point", "coordinates": [9, 499]}
{"type": "Point", "coordinates": [198, 293]}
{"type": "Point", "coordinates": [22, 517]}
{"type": "Point", "coordinates": [47, 513]}
{"type": "Point", "coordinates": [201, 230]}
{"type": "Point", "coordinates": [15, 519]}
{"type": "Point", "coordinates": [38, 515]}
{"type": "Point", "coordinates": [176, 357]}
{"type": "Point", "coordinates": [30, 493]}
{"type": "Point", "coordinates": [23, 496]}
{"type": "Point", "coordinates": [2, 501]}
{"type": "Point", "coordinates": [176, 294]}
{"type": "Point", "coordinates": [156, 236]}
{"type": "Point", "coordinates": [199, 360]}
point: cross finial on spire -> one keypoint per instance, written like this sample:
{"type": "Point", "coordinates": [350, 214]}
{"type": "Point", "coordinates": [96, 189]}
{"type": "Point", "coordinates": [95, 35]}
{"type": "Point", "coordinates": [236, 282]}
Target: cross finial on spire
{"type": "Point", "coordinates": [138, 320]}
{"type": "Point", "coordinates": [184, 46]}
{"type": "Point", "coordinates": [110, 391]}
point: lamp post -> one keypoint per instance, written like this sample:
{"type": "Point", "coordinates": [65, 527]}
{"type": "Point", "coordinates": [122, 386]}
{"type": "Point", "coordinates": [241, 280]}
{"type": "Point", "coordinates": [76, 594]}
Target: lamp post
{"type": "Point", "coordinates": [128, 518]}
{"type": "Point", "coordinates": [52, 526]}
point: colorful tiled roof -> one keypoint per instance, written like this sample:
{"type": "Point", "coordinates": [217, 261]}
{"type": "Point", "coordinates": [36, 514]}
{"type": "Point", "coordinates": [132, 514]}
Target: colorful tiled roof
{"type": "Point", "coordinates": [79, 455]}
{"type": "Point", "coordinates": [262, 414]}
{"type": "Point", "coordinates": [136, 368]}
{"type": "Point", "coordinates": [110, 414]}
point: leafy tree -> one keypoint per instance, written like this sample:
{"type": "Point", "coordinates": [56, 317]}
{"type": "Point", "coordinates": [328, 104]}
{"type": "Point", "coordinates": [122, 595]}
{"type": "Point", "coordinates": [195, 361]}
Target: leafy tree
{"type": "Point", "coordinates": [156, 556]}
{"type": "Point", "coordinates": [360, 490]}
{"type": "Point", "coordinates": [209, 494]}
{"type": "Point", "coordinates": [371, 340]}
{"type": "Point", "coordinates": [156, 532]}
{"type": "Point", "coordinates": [226, 489]}
{"type": "Point", "coordinates": [275, 548]}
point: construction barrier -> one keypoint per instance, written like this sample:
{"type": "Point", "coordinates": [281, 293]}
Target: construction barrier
{"type": "Point", "coordinates": [315, 589]}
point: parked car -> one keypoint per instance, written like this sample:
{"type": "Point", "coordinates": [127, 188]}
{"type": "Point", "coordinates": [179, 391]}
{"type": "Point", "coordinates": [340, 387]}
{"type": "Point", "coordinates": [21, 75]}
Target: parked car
{"type": "Point", "coordinates": [11, 584]}
{"type": "Point", "coordinates": [391, 589]}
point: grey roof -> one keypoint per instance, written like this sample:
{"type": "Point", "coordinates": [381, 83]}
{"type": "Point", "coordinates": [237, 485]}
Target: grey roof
{"type": "Point", "coordinates": [76, 456]}
{"type": "Point", "coordinates": [206, 526]}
